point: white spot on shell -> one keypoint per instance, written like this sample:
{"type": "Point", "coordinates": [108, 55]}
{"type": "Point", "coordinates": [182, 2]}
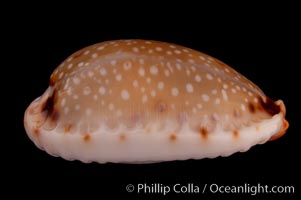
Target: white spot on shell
{"type": "Point", "coordinates": [135, 49]}
{"type": "Point", "coordinates": [90, 74]}
{"type": "Point", "coordinates": [113, 62]}
{"type": "Point", "coordinates": [69, 59]}
{"type": "Point", "coordinates": [100, 48]}
{"type": "Point", "coordinates": [199, 106]}
{"type": "Point", "coordinates": [158, 49]}
{"type": "Point", "coordinates": [63, 102]}
{"type": "Point", "coordinates": [170, 67]}
{"type": "Point", "coordinates": [87, 90]}
{"type": "Point", "coordinates": [76, 80]}
{"type": "Point", "coordinates": [191, 61]}
{"type": "Point", "coordinates": [197, 78]}
{"type": "Point", "coordinates": [168, 52]}
{"type": "Point", "coordinates": [125, 95]}
{"type": "Point", "coordinates": [141, 71]}
{"type": "Point", "coordinates": [103, 71]}
{"type": "Point", "coordinates": [141, 61]}
{"type": "Point", "coordinates": [153, 70]}
{"type": "Point", "coordinates": [175, 91]}
{"type": "Point", "coordinates": [80, 64]}
{"type": "Point", "coordinates": [214, 91]}
{"type": "Point", "coordinates": [189, 88]}
{"type": "Point", "coordinates": [205, 97]}
{"type": "Point", "coordinates": [118, 77]}
{"type": "Point", "coordinates": [243, 107]}
{"type": "Point", "coordinates": [209, 76]}
{"type": "Point", "coordinates": [102, 90]}
{"type": "Point", "coordinates": [135, 83]}
{"type": "Point", "coordinates": [188, 72]}
{"type": "Point", "coordinates": [148, 80]}
{"type": "Point", "coordinates": [95, 97]}
{"type": "Point", "coordinates": [166, 72]}
{"type": "Point", "coordinates": [127, 65]}
{"type": "Point", "coordinates": [186, 50]}
{"type": "Point", "coordinates": [61, 75]}
{"type": "Point", "coordinates": [217, 101]}
{"type": "Point", "coordinates": [202, 58]}
{"type": "Point", "coordinates": [77, 107]}
{"type": "Point", "coordinates": [94, 55]}
{"type": "Point", "coordinates": [178, 66]}
{"type": "Point", "coordinates": [153, 93]}
{"type": "Point", "coordinates": [66, 110]}
{"type": "Point", "coordinates": [177, 51]}
{"type": "Point", "coordinates": [225, 96]}
{"type": "Point", "coordinates": [160, 85]}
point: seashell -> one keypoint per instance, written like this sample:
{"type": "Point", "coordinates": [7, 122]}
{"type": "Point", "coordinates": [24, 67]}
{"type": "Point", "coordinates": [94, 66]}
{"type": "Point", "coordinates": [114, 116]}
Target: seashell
{"type": "Point", "coordinates": [139, 101]}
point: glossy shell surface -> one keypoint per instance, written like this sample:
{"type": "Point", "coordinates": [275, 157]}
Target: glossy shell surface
{"type": "Point", "coordinates": [138, 101]}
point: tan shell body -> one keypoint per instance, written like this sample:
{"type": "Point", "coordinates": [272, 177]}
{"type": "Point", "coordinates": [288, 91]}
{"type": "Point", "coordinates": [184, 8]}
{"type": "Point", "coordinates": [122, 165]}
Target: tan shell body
{"type": "Point", "coordinates": [148, 101]}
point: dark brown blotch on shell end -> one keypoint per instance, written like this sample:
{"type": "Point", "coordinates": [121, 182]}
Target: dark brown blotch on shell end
{"type": "Point", "coordinates": [36, 132]}
{"type": "Point", "coordinates": [252, 108]}
{"type": "Point", "coordinates": [51, 81]}
{"type": "Point", "coordinates": [269, 106]}
{"type": "Point", "coordinates": [48, 107]}
{"type": "Point", "coordinates": [87, 137]}
{"type": "Point", "coordinates": [122, 137]}
{"type": "Point", "coordinates": [204, 133]}
{"type": "Point", "coordinates": [235, 134]}
{"type": "Point", "coordinates": [173, 137]}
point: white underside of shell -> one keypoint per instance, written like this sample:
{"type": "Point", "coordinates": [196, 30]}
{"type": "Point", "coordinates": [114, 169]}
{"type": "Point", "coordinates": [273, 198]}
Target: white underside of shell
{"type": "Point", "coordinates": [141, 147]}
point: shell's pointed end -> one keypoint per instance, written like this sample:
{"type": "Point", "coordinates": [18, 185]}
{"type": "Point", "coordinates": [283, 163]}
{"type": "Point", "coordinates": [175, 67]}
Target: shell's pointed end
{"type": "Point", "coordinates": [285, 124]}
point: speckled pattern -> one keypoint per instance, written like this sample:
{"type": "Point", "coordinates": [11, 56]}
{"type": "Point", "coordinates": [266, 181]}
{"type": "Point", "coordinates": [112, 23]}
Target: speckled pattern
{"type": "Point", "coordinates": [151, 98]}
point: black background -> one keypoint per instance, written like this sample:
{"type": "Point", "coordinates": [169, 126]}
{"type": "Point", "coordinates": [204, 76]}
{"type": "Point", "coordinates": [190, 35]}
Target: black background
{"type": "Point", "coordinates": [260, 42]}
